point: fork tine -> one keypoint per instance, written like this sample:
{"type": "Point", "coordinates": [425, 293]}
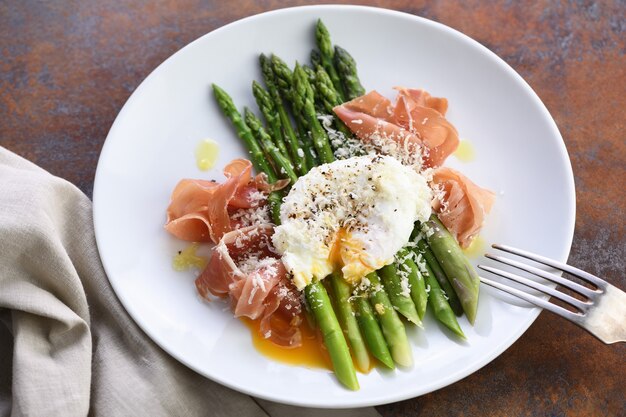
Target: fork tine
{"type": "Point", "coordinates": [591, 294]}
{"type": "Point", "coordinates": [532, 284]}
{"type": "Point", "coordinates": [560, 311]}
{"type": "Point", "coordinates": [600, 283]}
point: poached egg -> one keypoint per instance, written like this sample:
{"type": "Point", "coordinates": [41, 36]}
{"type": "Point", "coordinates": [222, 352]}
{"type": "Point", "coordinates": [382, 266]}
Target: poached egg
{"type": "Point", "coordinates": [352, 214]}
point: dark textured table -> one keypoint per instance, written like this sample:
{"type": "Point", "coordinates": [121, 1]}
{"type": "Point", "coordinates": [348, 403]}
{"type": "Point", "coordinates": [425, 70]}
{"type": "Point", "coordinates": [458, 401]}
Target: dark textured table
{"type": "Point", "coordinates": [67, 67]}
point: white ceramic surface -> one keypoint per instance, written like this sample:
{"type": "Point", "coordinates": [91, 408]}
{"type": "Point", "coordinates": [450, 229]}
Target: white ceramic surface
{"type": "Point", "coordinates": [519, 154]}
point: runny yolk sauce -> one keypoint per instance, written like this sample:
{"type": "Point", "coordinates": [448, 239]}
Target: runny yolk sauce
{"type": "Point", "coordinates": [345, 250]}
{"type": "Point", "coordinates": [335, 256]}
{"type": "Point", "coordinates": [311, 353]}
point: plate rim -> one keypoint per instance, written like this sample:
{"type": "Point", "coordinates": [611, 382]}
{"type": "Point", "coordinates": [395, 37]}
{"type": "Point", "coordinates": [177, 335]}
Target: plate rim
{"type": "Point", "coordinates": [504, 344]}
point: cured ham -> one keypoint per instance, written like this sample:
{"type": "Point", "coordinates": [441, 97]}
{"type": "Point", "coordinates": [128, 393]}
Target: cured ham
{"type": "Point", "coordinates": [418, 97]}
{"type": "Point", "coordinates": [202, 211]}
{"type": "Point", "coordinates": [244, 268]}
{"type": "Point", "coordinates": [187, 216]}
{"type": "Point", "coordinates": [416, 123]}
{"type": "Point", "coordinates": [462, 206]}
{"type": "Point", "coordinates": [438, 136]}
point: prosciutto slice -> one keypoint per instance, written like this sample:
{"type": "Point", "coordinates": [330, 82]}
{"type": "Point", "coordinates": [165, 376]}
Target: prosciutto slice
{"type": "Point", "coordinates": [418, 97]}
{"type": "Point", "coordinates": [244, 268]}
{"type": "Point", "coordinates": [415, 123]}
{"type": "Point", "coordinates": [438, 136]}
{"type": "Point", "coordinates": [201, 211]}
{"type": "Point", "coordinates": [187, 215]}
{"type": "Point", "coordinates": [463, 205]}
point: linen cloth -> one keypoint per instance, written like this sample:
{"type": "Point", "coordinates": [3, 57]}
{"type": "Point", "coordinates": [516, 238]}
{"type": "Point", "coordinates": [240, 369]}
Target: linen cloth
{"type": "Point", "coordinates": [67, 346]}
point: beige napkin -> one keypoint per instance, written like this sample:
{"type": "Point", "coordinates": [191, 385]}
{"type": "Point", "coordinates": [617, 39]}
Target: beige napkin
{"type": "Point", "coordinates": [67, 346]}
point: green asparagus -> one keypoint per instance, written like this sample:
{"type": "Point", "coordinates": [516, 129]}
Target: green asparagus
{"type": "Point", "coordinates": [348, 321]}
{"type": "Point", "coordinates": [307, 144]}
{"type": "Point", "coordinates": [327, 53]}
{"type": "Point", "coordinates": [439, 304]}
{"type": "Point", "coordinates": [271, 116]}
{"type": "Point", "coordinates": [392, 327]}
{"type": "Point", "coordinates": [310, 73]}
{"type": "Point", "coordinates": [346, 68]}
{"type": "Point", "coordinates": [459, 271]}
{"type": "Point", "coordinates": [400, 297]}
{"type": "Point", "coordinates": [316, 58]}
{"type": "Point", "coordinates": [416, 281]}
{"type": "Point", "coordinates": [327, 96]}
{"type": "Point", "coordinates": [284, 81]}
{"type": "Point", "coordinates": [254, 150]}
{"type": "Point", "coordinates": [371, 331]}
{"type": "Point", "coordinates": [283, 164]}
{"type": "Point", "coordinates": [318, 301]}
{"type": "Point", "coordinates": [303, 102]}
{"type": "Point", "coordinates": [244, 132]}
{"type": "Point", "coordinates": [444, 283]}
{"type": "Point", "coordinates": [295, 151]}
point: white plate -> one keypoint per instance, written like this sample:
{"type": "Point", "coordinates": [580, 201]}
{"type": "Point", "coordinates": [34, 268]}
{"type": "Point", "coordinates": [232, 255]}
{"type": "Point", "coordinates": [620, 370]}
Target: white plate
{"type": "Point", "coordinates": [519, 154]}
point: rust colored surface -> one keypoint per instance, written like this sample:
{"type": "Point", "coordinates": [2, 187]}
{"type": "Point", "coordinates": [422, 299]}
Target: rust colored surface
{"type": "Point", "coordinates": [66, 69]}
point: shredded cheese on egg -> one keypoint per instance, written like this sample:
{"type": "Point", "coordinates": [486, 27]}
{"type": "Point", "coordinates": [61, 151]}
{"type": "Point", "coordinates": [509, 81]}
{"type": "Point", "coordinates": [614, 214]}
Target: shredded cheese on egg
{"type": "Point", "coordinates": [353, 215]}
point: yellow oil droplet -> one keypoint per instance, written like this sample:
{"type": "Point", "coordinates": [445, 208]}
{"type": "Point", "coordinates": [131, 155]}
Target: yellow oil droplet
{"type": "Point", "coordinates": [206, 154]}
{"type": "Point", "coordinates": [187, 258]}
{"type": "Point", "coordinates": [465, 151]}
{"type": "Point", "coordinates": [476, 248]}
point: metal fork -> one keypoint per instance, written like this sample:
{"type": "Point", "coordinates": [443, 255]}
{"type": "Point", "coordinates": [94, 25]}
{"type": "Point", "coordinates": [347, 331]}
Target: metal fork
{"type": "Point", "coordinates": [603, 314]}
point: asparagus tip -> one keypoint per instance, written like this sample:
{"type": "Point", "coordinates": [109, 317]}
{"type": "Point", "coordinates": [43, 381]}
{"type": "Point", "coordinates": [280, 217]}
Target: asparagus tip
{"type": "Point", "coordinates": [402, 355]}
{"type": "Point", "coordinates": [387, 362]}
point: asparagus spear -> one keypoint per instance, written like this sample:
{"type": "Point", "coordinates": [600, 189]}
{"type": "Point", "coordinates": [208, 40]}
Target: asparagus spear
{"type": "Point", "coordinates": [401, 302]}
{"type": "Point", "coordinates": [303, 100]}
{"type": "Point", "coordinates": [295, 151]}
{"type": "Point", "coordinates": [244, 132]}
{"type": "Point", "coordinates": [440, 305]}
{"type": "Point", "coordinates": [441, 277]}
{"type": "Point", "coordinates": [284, 81]}
{"type": "Point", "coordinates": [266, 141]}
{"type": "Point", "coordinates": [371, 331]}
{"type": "Point", "coordinates": [327, 53]}
{"type": "Point", "coordinates": [284, 77]}
{"type": "Point", "coordinates": [327, 95]}
{"type": "Point", "coordinates": [326, 90]}
{"type": "Point", "coordinates": [346, 68]}
{"type": "Point", "coordinates": [348, 321]}
{"type": "Point", "coordinates": [318, 300]}
{"type": "Point", "coordinates": [418, 287]}
{"type": "Point", "coordinates": [310, 155]}
{"type": "Point", "coordinates": [271, 116]}
{"type": "Point", "coordinates": [391, 325]}
{"type": "Point", "coordinates": [254, 150]}
{"type": "Point", "coordinates": [310, 74]}
{"type": "Point", "coordinates": [459, 271]}
{"type": "Point", "coordinates": [316, 58]}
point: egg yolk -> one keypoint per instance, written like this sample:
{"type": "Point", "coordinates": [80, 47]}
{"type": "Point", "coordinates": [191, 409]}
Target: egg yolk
{"type": "Point", "coordinates": [348, 255]}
